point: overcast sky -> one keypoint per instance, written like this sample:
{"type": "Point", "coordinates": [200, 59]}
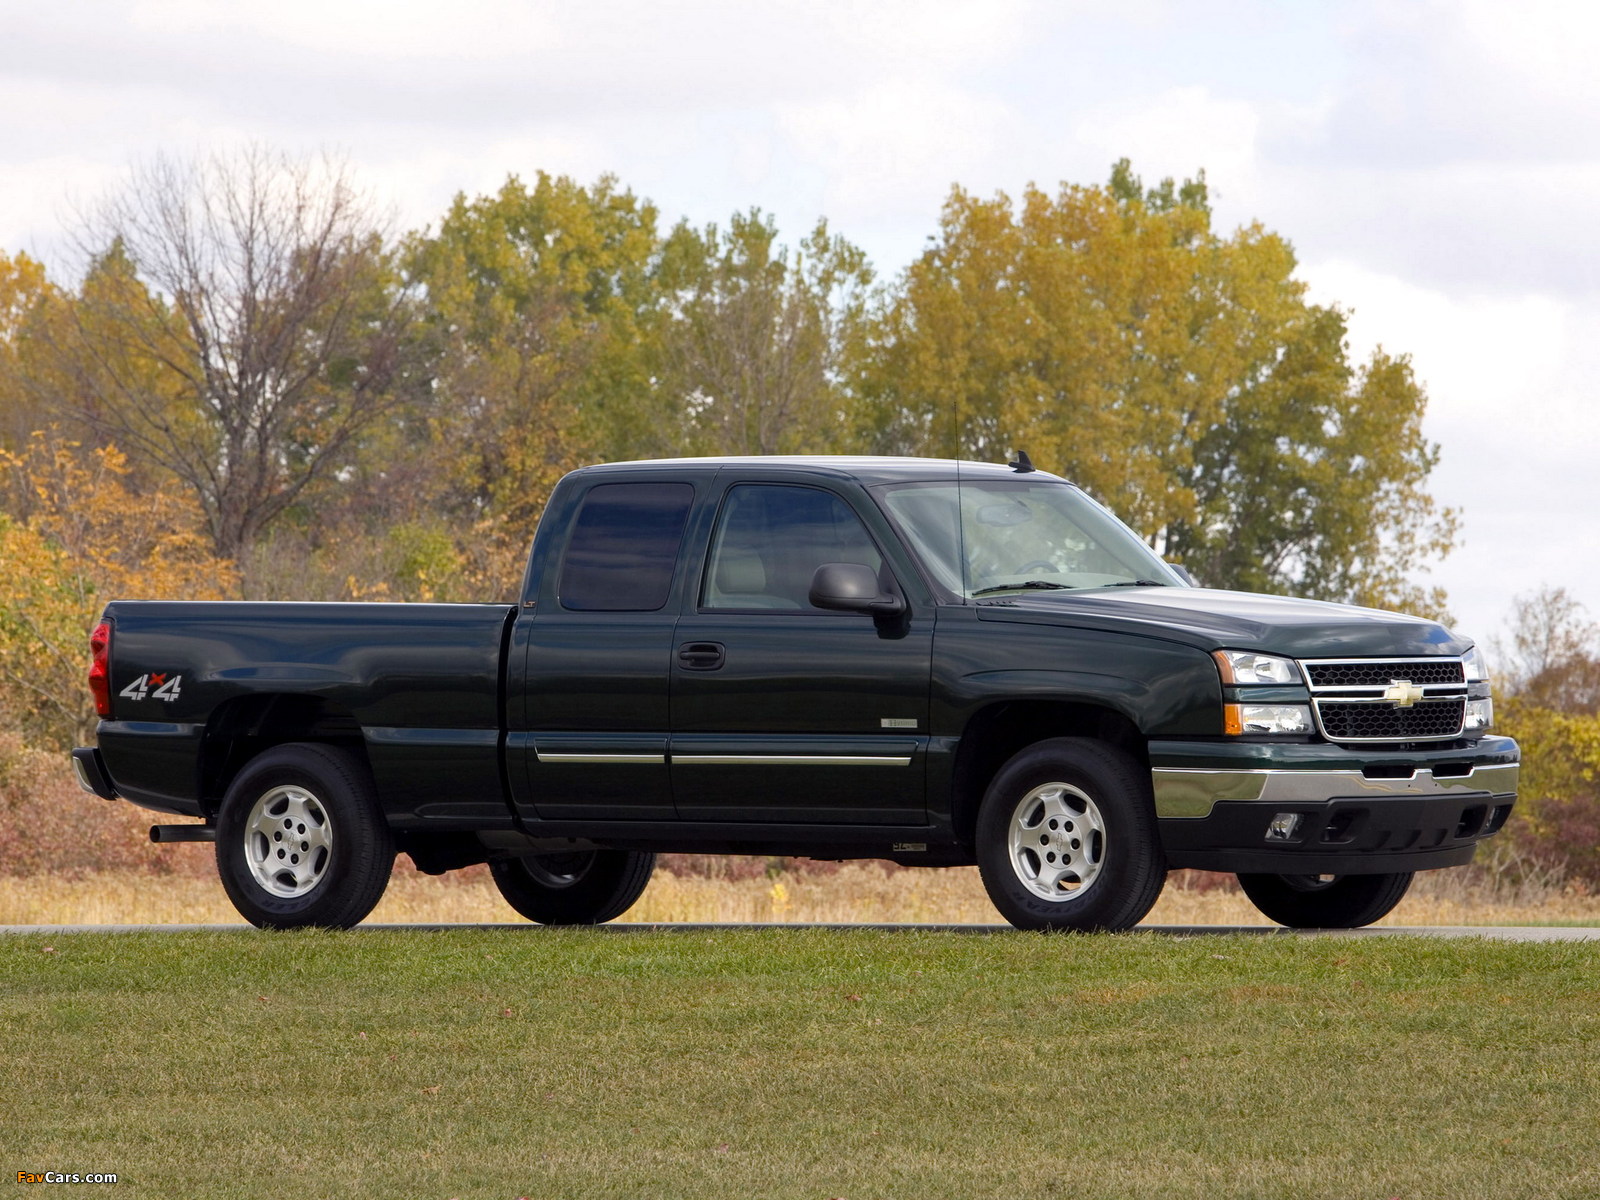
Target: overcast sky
{"type": "Point", "coordinates": [1436, 165]}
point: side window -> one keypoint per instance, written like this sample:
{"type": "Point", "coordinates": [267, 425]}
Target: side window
{"type": "Point", "coordinates": [771, 539]}
{"type": "Point", "coordinates": [624, 547]}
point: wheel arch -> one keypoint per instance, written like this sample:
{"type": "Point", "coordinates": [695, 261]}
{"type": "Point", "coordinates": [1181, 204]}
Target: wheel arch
{"type": "Point", "coordinates": [1000, 730]}
{"type": "Point", "coordinates": [242, 728]}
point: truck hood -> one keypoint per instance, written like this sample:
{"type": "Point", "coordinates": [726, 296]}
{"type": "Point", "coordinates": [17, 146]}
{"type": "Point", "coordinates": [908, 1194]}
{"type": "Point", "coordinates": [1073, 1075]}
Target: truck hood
{"type": "Point", "coordinates": [1214, 620]}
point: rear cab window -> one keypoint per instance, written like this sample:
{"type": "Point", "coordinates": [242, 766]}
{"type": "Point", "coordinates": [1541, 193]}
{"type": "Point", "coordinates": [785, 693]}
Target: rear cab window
{"type": "Point", "coordinates": [624, 547]}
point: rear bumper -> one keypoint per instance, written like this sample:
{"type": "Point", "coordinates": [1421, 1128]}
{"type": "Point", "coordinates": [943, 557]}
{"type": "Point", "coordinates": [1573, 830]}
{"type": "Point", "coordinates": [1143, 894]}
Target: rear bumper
{"type": "Point", "coordinates": [1356, 812]}
{"type": "Point", "coordinates": [91, 773]}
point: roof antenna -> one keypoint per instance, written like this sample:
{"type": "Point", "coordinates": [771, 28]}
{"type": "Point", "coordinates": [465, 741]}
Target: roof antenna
{"type": "Point", "coordinates": [1023, 465]}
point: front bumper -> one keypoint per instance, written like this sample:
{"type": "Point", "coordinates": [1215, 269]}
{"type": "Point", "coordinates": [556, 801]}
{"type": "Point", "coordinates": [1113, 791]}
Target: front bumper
{"type": "Point", "coordinates": [1360, 812]}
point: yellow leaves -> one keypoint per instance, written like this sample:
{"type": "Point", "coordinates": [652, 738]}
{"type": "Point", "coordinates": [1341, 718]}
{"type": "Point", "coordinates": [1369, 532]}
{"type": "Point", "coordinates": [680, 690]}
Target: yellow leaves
{"type": "Point", "coordinates": [87, 538]}
{"type": "Point", "coordinates": [1557, 819]}
{"type": "Point", "coordinates": [46, 608]}
{"type": "Point", "coordinates": [425, 561]}
{"type": "Point", "coordinates": [1101, 335]}
{"type": "Point", "coordinates": [781, 902]}
{"type": "Point", "coordinates": [22, 284]}
{"type": "Point", "coordinates": [140, 545]}
{"type": "Point", "coordinates": [1177, 374]}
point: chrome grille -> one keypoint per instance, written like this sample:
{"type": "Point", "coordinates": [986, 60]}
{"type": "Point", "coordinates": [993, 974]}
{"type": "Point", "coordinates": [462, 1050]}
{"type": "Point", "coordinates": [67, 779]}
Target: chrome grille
{"type": "Point", "coordinates": [1348, 697]}
{"type": "Point", "coordinates": [1381, 673]}
{"type": "Point", "coordinates": [1364, 721]}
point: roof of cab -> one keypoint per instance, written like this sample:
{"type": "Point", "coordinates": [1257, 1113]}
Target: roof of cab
{"type": "Point", "coordinates": [867, 469]}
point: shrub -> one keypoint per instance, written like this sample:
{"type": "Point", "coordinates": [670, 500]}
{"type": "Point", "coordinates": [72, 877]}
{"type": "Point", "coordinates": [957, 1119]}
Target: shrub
{"type": "Point", "coordinates": [51, 826]}
{"type": "Point", "coordinates": [1556, 825]}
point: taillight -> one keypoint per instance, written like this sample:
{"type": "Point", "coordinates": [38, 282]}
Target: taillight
{"type": "Point", "coordinates": [100, 667]}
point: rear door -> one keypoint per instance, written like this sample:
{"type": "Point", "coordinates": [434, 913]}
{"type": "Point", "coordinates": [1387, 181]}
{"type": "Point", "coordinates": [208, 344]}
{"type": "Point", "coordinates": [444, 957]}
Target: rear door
{"type": "Point", "coordinates": [782, 712]}
{"type": "Point", "coordinates": [597, 653]}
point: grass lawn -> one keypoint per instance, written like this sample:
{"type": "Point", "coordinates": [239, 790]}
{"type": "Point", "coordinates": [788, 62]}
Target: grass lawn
{"type": "Point", "coordinates": [801, 1063]}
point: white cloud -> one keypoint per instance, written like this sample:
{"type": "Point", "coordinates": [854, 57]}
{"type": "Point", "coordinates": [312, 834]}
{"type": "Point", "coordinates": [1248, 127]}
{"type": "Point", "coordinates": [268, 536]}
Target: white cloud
{"type": "Point", "coordinates": [1474, 351]}
{"type": "Point", "coordinates": [896, 146]}
{"type": "Point", "coordinates": [1178, 132]}
{"type": "Point", "coordinates": [470, 30]}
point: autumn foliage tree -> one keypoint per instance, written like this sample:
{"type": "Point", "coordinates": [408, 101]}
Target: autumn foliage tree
{"type": "Point", "coordinates": [539, 301]}
{"type": "Point", "coordinates": [24, 287]}
{"type": "Point", "coordinates": [1546, 674]}
{"type": "Point", "coordinates": [1177, 374]}
{"type": "Point", "coordinates": [246, 331]}
{"type": "Point", "coordinates": [77, 536]}
{"type": "Point", "coordinates": [755, 336]}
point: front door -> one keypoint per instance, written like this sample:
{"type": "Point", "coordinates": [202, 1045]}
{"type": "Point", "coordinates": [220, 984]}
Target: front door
{"type": "Point", "coordinates": [782, 712]}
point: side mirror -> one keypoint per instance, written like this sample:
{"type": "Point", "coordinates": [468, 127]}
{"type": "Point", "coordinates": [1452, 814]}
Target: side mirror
{"type": "Point", "coordinates": [852, 587]}
{"type": "Point", "coordinates": [1183, 573]}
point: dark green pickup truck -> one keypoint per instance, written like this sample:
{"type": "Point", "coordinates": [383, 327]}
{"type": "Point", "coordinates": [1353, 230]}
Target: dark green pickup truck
{"type": "Point", "coordinates": [933, 662]}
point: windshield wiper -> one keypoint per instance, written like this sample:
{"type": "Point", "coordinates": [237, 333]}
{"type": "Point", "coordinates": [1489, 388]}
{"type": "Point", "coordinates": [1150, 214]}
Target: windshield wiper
{"type": "Point", "coordinates": [1139, 583]}
{"type": "Point", "coordinates": [1040, 584]}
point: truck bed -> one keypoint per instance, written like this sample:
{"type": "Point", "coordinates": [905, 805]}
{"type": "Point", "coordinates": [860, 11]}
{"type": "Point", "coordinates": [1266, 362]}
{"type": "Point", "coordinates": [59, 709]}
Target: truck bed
{"type": "Point", "coordinates": [417, 685]}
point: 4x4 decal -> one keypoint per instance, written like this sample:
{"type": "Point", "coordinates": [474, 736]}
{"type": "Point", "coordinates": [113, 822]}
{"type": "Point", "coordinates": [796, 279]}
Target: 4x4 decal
{"type": "Point", "coordinates": [154, 686]}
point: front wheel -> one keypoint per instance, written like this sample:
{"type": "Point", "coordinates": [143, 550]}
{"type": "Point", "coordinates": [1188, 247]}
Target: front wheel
{"type": "Point", "coordinates": [301, 840]}
{"type": "Point", "coordinates": [1066, 838]}
{"type": "Point", "coordinates": [583, 887]}
{"type": "Point", "coordinates": [1325, 901]}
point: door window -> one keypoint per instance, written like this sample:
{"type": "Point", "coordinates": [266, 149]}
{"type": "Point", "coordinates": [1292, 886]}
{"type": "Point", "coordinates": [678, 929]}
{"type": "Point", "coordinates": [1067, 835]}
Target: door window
{"type": "Point", "coordinates": [624, 547]}
{"type": "Point", "coordinates": [770, 541]}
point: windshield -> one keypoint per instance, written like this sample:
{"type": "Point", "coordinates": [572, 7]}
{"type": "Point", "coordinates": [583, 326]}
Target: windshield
{"type": "Point", "coordinates": [1020, 534]}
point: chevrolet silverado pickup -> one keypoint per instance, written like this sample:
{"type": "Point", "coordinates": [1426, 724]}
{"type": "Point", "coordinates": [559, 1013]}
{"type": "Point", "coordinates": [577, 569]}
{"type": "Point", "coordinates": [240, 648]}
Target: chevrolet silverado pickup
{"type": "Point", "coordinates": [934, 662]}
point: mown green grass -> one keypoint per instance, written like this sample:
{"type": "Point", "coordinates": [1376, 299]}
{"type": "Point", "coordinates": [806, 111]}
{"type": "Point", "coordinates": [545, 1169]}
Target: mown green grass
{"type": "Point", "coordinates": [801, 1063]}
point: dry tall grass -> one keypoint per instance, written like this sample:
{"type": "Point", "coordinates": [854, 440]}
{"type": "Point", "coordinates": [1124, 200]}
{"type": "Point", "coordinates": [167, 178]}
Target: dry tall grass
{"type": "Point", "coordinates": [859, 892]}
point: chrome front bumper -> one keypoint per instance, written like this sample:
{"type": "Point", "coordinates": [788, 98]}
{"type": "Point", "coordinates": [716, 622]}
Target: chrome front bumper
{"type": "Point", "coordinates": [1190, 792]}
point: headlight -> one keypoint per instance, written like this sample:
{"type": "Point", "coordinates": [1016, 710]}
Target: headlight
{"type": "Point", "coordinates": [1480, 716]}
{"type": "Point", "coordinates": [1473, 666]}
{"type": "Point", "coordinates": [1266, 718]}
{"type": "Point", "coordinates": [1246, 667]}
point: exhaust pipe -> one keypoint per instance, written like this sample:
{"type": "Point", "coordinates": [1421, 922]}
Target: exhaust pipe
{"type": "Point", "coordinates": [183, 833]}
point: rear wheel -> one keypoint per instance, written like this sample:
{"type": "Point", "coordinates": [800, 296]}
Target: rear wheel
{"type": "Point", "coordinates": [586, 887]}
{"type": "Point", "coordinates": [1066, 838]}
{"type": "Point", "coordinates": [302, 841]}
{"type": "Point", "coordinates": [1325, 901]}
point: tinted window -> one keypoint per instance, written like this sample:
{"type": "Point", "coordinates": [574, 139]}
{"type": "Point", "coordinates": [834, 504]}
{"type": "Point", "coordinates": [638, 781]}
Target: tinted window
{"type": "Point", "coordinates": [771, 540]}
{"type": "Point", "coordinates": [624, 547]}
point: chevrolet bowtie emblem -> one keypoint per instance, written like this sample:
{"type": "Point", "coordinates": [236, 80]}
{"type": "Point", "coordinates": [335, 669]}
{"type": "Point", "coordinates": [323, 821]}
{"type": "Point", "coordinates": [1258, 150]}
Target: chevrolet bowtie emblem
{"type": "Point", "coordinates": [1403, 692]}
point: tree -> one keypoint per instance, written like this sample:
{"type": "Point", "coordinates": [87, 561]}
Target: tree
{"type": "Point", "coordinates": [79, 537]}
{"type": "Point", "coordinates": [1312, 478]}
{"type": "Point", "coordinates": [1178, 375]}
{"type": "Point", "coordinates": [1552, 660]}
{"type": "Point", "coordinates": [753, 345]}
{"type": "Point", "coordinates": [540, 306]}
{"type": "Point", "coordinates": [241, 323]}
{"type": "Point", "coordinates": [24, 289]}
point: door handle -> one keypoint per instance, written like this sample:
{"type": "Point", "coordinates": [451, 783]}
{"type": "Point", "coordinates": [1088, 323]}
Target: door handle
{"type": "Point", "coordinates": [701, 656]}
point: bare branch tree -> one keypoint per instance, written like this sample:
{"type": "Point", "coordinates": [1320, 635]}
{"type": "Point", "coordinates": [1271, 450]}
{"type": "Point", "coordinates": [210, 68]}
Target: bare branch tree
{"type": "Point", "coordinates": [1552, 658]}
{"type": "Point", "coordinates": [241, 324]}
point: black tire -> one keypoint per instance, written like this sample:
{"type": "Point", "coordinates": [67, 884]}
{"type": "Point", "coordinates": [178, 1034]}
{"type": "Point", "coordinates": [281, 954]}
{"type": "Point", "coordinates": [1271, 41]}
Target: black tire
{"type": "Point", "coordinates": [329, 864]}
{"type": "Point", "coordinates": [584, 887]}
{"type": "Point", "coordinates": [1324, 902]}
{"type": "Point", "coordinates": [1066, 838]}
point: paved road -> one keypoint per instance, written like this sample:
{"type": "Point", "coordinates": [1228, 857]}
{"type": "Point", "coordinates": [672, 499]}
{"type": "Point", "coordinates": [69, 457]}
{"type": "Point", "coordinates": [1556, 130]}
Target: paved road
{"type": "Point", "coordinates": [1509, 933]}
